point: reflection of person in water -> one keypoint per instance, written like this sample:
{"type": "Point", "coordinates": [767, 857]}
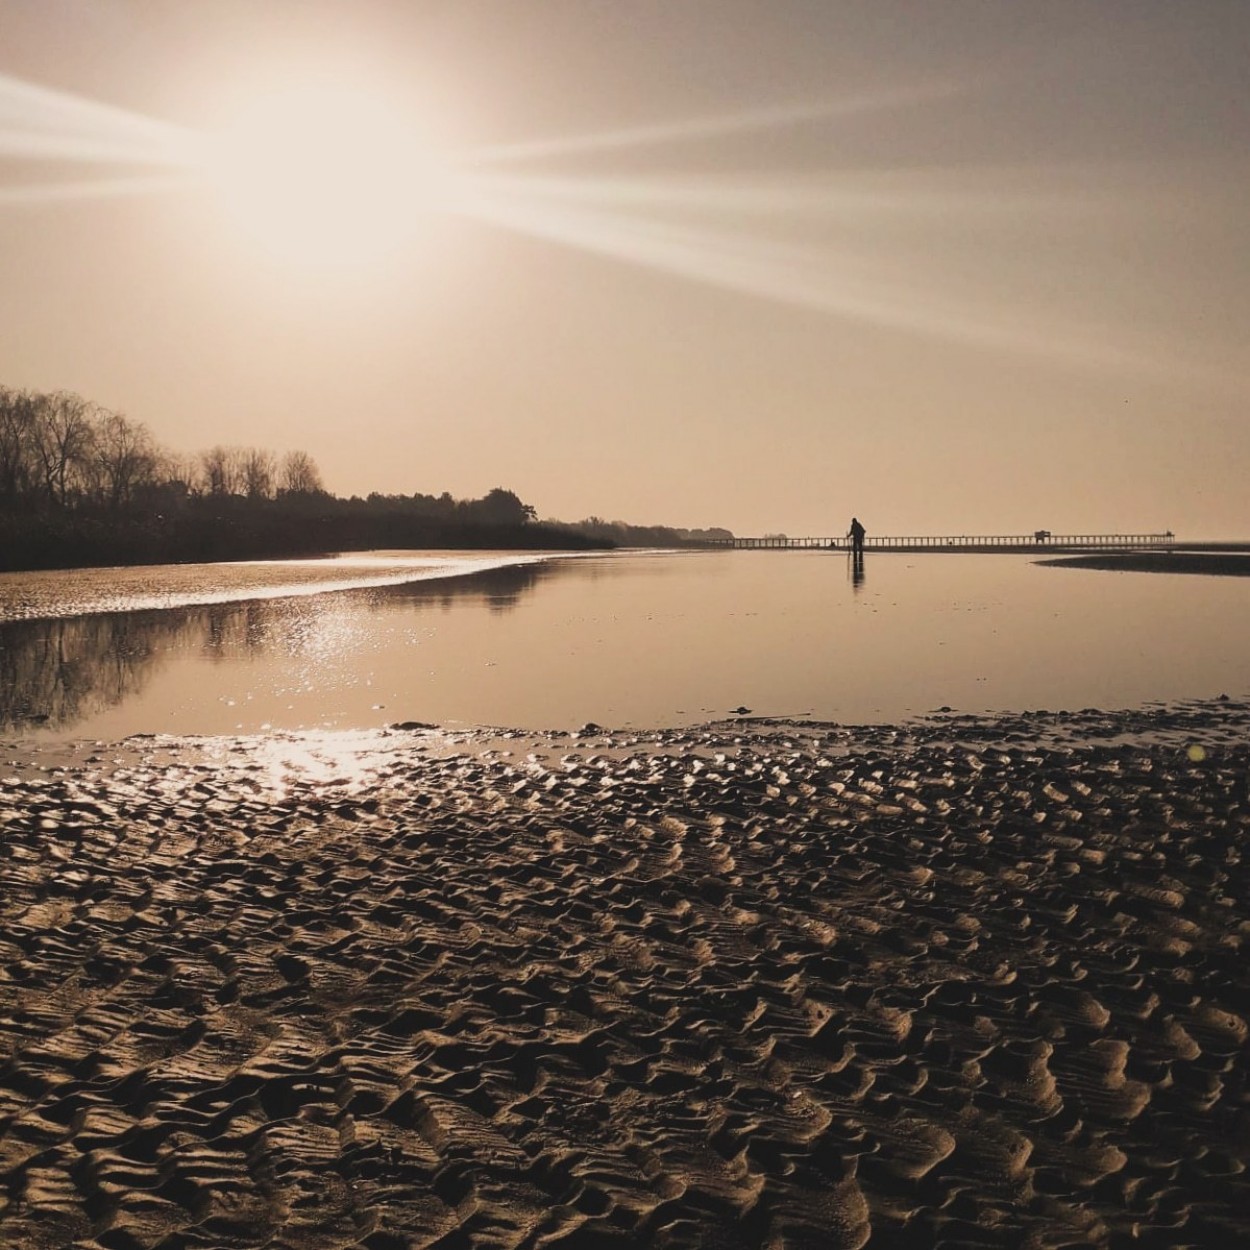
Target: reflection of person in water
{"type": "Point", "coordinates": [857, 536]}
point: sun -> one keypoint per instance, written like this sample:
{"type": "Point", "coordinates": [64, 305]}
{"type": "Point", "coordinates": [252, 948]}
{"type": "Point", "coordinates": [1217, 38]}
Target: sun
{"type": "Point", "coordinates": [325, 177]}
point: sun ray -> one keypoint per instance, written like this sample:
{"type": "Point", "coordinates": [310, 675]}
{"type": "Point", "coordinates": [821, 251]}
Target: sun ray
{"type": "Point", "coordinates": [38, 145]}
{"type": "Point", "coordinates": [38, 123]}
{"type": "Point", "coordinates": [820, 279]}
{"type": "Point", "coordinates": [331, 177]}
{"type": "Point", "coordinates": [908, 193]}
{"type": "Point", "coordinates": [89, 189]}
{"type": "Point", "coordinates": [746, 122]}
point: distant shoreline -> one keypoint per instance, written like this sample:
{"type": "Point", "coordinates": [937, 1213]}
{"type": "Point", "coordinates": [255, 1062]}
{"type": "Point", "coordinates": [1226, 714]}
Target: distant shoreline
{"type": "Point", "coordinates": [1209, 563]}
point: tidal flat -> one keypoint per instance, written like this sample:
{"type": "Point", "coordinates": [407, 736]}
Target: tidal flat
{"type": "Point", "coordinates": [967, 981]}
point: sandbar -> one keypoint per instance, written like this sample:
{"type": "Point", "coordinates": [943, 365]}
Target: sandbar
{"type": "Point", "coordinates": [1213, 564]}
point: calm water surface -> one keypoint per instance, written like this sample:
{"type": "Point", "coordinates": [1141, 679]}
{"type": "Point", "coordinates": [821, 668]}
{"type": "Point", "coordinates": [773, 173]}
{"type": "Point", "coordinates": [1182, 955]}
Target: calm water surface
{"type": "Point", "coordinates": [641, 639]}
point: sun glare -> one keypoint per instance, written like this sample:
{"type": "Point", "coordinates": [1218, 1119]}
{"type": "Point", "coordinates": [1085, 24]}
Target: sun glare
{"type": "Point", "coordinates": [325, 177]}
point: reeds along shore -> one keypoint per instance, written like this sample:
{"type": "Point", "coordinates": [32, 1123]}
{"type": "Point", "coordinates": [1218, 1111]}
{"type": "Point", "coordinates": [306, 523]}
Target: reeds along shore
{"type": "Point", "coordinates": [967, 984]}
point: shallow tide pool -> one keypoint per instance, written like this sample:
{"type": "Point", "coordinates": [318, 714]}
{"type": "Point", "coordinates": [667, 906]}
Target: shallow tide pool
{"type": "Point", "coordinates": [649, 640]}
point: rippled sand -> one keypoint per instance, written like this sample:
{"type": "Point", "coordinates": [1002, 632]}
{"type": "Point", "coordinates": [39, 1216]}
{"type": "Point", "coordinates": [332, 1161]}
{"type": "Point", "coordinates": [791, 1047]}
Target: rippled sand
{"type": "Point", "coordinates": [967, 983]}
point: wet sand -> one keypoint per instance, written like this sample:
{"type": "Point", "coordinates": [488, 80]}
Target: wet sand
{"type": "Point", "coordinates": [965, 983]}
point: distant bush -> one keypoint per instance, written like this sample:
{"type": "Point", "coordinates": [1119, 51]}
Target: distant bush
{"type": "Point", "coordinates": [622, 534]}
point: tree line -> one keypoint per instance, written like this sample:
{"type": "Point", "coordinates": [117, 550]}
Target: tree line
{"type": "Point", "coordinates": [83, 485]}
{"type": "Point", "coordinates": [60, 453]}
{"type": "Point", "coordinates": [625, 534]}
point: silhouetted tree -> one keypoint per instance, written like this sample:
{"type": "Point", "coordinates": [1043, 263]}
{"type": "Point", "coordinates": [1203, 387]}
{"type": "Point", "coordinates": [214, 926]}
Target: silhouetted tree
{"type": "Point", "coordinates": [180, 470]}
{"type": "Point", "coordinates": [217, 471]}
{"type": "Point", "coordinates": [63, 433]}
{"type": "Point", "coordinates": [501, 507]}
{"type": "Point", "coordinates": [125, 459]}
{"type": "Point", "coordinates": [300, 475]}
{"type": "Point", "coordinates": [17, 446]}
{"type": "Point", "coordinates": [260, 472]}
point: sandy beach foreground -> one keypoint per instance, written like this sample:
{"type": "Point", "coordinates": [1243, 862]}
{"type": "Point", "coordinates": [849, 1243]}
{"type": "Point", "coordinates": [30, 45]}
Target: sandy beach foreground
{"type": "Point", "coordinates": [974, 983]}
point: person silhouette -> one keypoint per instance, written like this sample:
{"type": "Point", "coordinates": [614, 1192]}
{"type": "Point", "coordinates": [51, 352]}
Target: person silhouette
{"type": "Point", "coordinates": [857, 536]}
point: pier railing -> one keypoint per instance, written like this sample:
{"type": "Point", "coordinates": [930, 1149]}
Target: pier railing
{"type": "Point", "coordinates": [1037, 542]}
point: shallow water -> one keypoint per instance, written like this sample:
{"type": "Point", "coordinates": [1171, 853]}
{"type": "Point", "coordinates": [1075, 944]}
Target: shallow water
{"type": "Point", "coordinates": [642, 639]}
{"type": "Point", "coordinates": [78, 592]}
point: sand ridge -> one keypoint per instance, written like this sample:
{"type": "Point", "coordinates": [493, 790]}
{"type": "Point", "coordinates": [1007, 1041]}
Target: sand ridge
{"type": "Point", "coordinates": [975, 982]}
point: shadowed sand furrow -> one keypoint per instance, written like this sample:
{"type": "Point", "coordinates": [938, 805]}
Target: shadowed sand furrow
{"type": "Point", "coordinates": [966, 983]}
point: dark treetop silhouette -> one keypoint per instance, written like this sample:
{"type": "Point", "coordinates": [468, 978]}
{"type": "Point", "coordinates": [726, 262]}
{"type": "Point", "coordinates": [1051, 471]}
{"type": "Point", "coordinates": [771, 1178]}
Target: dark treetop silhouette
{"type": "Point", "coordinates": [80, 485]}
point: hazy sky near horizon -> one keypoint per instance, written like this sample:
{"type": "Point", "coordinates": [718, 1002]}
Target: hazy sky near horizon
{"type": "Point", "coordinates": [968, 266]}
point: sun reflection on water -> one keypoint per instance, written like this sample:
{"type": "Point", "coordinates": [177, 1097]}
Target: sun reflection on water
{"type": "Point", "coordinates": [78, 592]}
{"type": "Point", "coordinates": [334, 763]}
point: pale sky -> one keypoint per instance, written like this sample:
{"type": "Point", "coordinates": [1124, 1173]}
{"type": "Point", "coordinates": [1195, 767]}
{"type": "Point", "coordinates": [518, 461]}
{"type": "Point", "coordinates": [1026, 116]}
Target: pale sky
{"type": "Point", "coordinates": [957, 266]}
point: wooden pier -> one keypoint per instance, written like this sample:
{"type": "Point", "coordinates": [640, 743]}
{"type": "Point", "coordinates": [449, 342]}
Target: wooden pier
{"type": "Point", "coordinates": [1042, 542]}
